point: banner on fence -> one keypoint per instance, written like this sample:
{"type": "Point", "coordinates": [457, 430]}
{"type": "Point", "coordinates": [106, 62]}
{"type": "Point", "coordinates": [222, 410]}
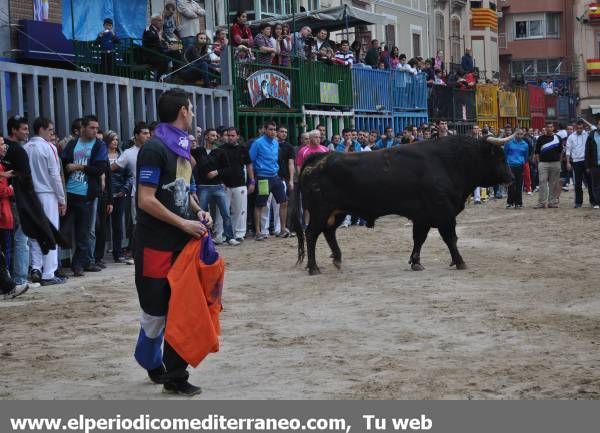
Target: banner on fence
{"type": "Point", "coordinates": [330, 93]}
{"type": "Point", "coordinates": [269, 84]}
{"type": "Point", "coordinates": [508, 104]}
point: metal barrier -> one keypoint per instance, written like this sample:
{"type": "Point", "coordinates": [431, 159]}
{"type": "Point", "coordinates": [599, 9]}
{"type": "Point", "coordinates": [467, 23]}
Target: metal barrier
{"type": "Point", "coordinates": [507, 108]}
{"type": "Point", "coordinates": [408, 118]}
{"type": "Point", "coordinates": [249, 122]}
{"type": "Point", "coordinates": [446, 103]}
{"type": "Point", "coordinates": [523, 117]}
{"type": "Point", "coordinates": [487, 105]}
{"type": "Point", "coordinates": [63, 95]}
{"type": "Point", "coordinates": [537, 106]}
{"type": "Point", "coordinates": [463, 128]}
{"type": "Point", "coordinates": [334, 121]}
{"type": "Point", "coordinates": [564, 108]}
{"type": "Point", "coordinates": [369, 122]}
{"type": "Point", "coordinates": [371, 90]}
{"type": "Point", "coordinates": [325, 84]}
{"type": "Point", "coordinates": [409, 92]}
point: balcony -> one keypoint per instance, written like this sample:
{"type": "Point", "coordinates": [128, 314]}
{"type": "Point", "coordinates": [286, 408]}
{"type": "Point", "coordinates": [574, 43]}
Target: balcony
{"type": "Point", "coordinates": [593, 69]}
{"type": "Point", "coordinates": [457, 5]}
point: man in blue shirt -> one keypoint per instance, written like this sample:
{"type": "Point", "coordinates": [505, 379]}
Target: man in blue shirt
{"type": "Point", "coordinates": [387, 140]}
{"type": "Point", "coordinates": [349, 144]}
{"type": "Point", "coordinates": [264, 154]}
{"type": "Point", "coordinates": [517, 154]}
{"type": "Point", "coordinates": [84, 159]}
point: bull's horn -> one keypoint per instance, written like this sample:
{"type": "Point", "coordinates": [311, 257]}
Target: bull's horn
{"type": "Point", "coordinates": [499, 141]}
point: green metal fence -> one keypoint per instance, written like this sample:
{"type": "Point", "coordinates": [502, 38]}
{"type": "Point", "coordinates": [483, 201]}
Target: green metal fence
{"type": "Point", "coordinates": [325, 84]}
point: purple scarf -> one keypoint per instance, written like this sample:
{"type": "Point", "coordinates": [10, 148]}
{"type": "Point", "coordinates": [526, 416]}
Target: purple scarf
{"type": "Point", "coordinates": [175, 139]}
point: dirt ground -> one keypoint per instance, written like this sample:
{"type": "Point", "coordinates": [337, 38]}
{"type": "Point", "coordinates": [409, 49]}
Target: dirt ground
{"type": "Point", "coordinates": [523, 322]}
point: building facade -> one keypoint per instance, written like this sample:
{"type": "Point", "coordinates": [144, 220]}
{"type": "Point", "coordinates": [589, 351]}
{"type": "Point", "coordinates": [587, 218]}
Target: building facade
{"type": "Point", "coordinates": [536, 41]}
{"type": "Point", "coordinates": [587, 56]}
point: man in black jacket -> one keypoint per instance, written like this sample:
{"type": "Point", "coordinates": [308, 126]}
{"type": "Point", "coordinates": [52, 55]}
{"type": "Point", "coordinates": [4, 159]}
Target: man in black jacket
{"type": "Point", "coordinates": [592, 163]}
{"type": "Point", "coordinates": [237, 168]}
{"type": "Point", "coordinates": [84, 162]}
{"type": "Point", "coordinates": [154, 46]}
{"type": "Point", "coordinates": [209, 182]}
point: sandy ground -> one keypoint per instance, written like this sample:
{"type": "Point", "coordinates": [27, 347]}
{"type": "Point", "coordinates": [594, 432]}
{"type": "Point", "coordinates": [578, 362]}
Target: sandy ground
{"type": "Point", "coordinates": [523, 322]}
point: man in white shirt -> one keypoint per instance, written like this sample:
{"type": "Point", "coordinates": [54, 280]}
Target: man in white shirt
{"type": "Point", "coordinates": [128, 160]}
{"type": "Point", "coordinates": [47, 183]}
{"type": "Point", "coordinates": [575, 154]}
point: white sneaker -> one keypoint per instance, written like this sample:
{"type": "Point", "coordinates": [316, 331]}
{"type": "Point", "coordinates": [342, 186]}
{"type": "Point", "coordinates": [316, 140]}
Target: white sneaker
{"type": "Point", "coordinates": [529, 193]}
{"type": "Point", "coordinates": [232, 242]}
{"type": "Point", "coordinates": [596, 207]}
{"type": "Point", "coordinates": [32, 285]}
{"type": "Point", "coordinates": [17, 291]}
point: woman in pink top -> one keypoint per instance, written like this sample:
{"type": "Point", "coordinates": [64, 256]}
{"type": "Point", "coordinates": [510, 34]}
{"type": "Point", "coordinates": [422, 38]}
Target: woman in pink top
{"type": "Point", "coordinates": [313, 146]}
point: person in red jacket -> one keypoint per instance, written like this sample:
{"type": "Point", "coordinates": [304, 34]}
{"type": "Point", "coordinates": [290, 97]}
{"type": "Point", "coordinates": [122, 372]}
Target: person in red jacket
{"type": "Point", "coordinates": [241, 34]}
{"type": "Point", "coordinates": [7, 285]}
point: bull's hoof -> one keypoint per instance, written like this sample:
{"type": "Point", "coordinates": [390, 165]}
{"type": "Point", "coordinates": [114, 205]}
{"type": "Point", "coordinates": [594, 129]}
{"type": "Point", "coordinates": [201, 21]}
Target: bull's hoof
{"type": "Point", "coordinates": [337, 263]}
{"type": "Point", "coordinates": [417, 267]}
{"type": "Point", "coordinates": [314, 271]}
{"type": "Point", "coordinates": [461, 266]}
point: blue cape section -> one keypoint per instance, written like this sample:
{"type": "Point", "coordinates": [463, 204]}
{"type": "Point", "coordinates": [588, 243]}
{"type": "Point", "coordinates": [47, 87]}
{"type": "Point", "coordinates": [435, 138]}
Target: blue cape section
{"type": "Point", "coordinates": [129, 18]}
{"type": "Point", "coordinates": [148, 351]}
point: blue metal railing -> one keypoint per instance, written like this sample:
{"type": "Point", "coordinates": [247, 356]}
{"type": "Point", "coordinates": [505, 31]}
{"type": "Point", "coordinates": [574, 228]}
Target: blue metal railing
{"type": "Point", "coordinates": [371, 90]}
{"type": "Point", "coordinates": [409, 92]}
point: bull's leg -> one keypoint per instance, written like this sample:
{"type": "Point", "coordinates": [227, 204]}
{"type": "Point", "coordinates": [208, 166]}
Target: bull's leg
{"type": "Point", "coordinates": [420, 232]}
{"type": "Point", "coordinates": [313, 231]}
{"type": "Point", "coordinates": [448, 233]}
{"type": "Point", "coordinates": [336, 253]}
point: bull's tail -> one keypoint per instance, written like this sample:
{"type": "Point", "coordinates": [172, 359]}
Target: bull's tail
{"type": "Point", "coordinates": [297, 218]}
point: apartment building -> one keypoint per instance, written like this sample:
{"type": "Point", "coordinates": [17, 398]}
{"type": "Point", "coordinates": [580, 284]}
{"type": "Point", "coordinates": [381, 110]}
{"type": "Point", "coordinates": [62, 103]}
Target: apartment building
{"type": "Point", "coordinates": [536, 41]}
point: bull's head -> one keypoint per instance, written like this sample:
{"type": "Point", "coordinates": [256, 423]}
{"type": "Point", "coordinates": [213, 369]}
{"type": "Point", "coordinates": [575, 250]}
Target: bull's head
{"type": "Point", "coordinates": [496, 170]}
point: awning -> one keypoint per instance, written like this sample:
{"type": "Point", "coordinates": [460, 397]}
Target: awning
{"type": "Point", "coordinates": [595, 109]}
{"type": "Point", "coordinates": [331, 19]}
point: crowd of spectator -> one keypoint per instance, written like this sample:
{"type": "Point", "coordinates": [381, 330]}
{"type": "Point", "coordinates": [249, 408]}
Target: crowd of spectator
{"type": "Point", "coordinates": [86, 182]}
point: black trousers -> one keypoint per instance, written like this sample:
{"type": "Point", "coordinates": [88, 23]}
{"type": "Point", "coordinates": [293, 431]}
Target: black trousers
{"type": "Point", "coordinates": [117, 225]}
{"type": "Point", "coordinates": [78, 211]}
{"type": "Point", "coordinates": [101, 229]}
{"type": "Point", "coordinates": [515, 190]}
{"type": "Point", "coordinates": [579, 174]}
{"type": "Point", "coordinates": [595, 178]}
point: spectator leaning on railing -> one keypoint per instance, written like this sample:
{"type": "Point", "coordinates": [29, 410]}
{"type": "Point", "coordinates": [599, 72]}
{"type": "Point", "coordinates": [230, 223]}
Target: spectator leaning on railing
{"type": "Point", "coordinates": [108, 40]}
{"type": "Point", "coordinates": [240, 32]}
{"type": "Point", "coordinates": [266, 46]}
{"type": "Point", "coordinates": [344, 55]}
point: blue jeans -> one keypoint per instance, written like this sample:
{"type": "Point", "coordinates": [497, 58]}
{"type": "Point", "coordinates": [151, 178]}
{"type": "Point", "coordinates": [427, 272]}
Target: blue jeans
{"type": "Point", "coordinates": [116, 221]}
{"type": "Point", "coordinates": [209, 194]}
{"type": "Point", "coordinates": [93, 212]}
{"type": "Point", "coordinates": [20, 257]}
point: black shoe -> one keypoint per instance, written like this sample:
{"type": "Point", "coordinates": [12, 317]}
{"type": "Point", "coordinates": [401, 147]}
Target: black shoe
{"type": "Point", "coordinates": [157, 375]}
{"type": "Point", "coordinates": [36, 276]}
{"type": "Point", "coordinates": [16, 291]}
{"type": "Point", "coordinates": [78, 272]}
{"type": "Point", "coordinates": [92, 268]}
{"type": "Point", "coordinates": [101, 264]}
{"type": "Point", "coordinates": [60, 273]}
{"type": "Point", "coordinates": [181, 388]}
{"type": "Point", "coordinates": [120, 260]}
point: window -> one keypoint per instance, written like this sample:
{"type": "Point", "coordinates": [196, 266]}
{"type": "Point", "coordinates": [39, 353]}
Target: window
{"type": "Point", "coordinates": [440, 31]}
{"type": "Point", "coordinates": [455, 40]}
{"type": "Point", "coordinates": [552, 25]}
{"type": "Point", "coordinates": [535, 67]}
{"type": "Point", "coordinates": [390, 35]}
{"type": "Point", "coordinates": [278, 7]}
{"type": "Point", "coordinates": [538, 26]}
{"type": "Point", "coordinates": [416, 44]}
{"type": "Point", "coordinates": [243, 5]}
{"type": "Point", "coordinates": [476, 4]}
{"type": "Point", "coordinates": [493, 6]}
{"type": "Point", "coordinates": [313, 5]}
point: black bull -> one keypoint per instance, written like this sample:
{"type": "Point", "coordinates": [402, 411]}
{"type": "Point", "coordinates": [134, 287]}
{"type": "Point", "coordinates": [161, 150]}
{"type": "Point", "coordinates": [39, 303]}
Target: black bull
{"type": "Point", "coordinates": [427, 182]}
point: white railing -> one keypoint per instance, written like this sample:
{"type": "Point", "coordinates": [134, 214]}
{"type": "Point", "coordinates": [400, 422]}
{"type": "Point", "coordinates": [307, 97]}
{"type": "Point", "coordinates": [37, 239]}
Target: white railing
{"type": "Point", "coordinates": [63, 96]}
